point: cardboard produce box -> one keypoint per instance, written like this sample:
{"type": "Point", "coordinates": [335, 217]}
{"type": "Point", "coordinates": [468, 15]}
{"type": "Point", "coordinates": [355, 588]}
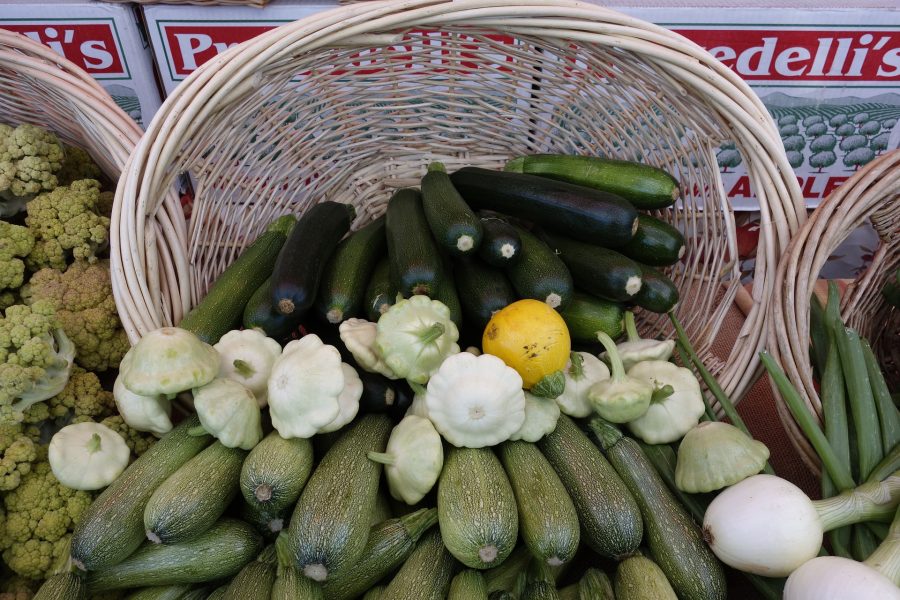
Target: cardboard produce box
{"type": "Point", "coordinates": [106, 40]}
{"type": "Point", "coordinates": [830, 77]}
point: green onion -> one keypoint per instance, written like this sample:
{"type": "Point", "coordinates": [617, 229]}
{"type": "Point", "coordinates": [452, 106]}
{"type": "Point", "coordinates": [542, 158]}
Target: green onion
{"type": "Point", "coordinates": [889, 464]}
{"type": "Point", "coordinates": [887, 412]}
{"type": "Point", "coordinates": [818, 334]}
{"type": "Point", "coordinates": [864, 542]}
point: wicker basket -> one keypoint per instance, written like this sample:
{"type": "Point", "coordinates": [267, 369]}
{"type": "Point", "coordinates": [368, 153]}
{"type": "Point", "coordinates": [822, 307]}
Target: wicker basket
{"type": "Point", "coordinates": [872, 194]}
{"type": "Point", "coordinates": [256, 3]}
{"type": "Point", "coordinates": [352, 103]}
{"type": "Point", "coordinates": [42, 88]}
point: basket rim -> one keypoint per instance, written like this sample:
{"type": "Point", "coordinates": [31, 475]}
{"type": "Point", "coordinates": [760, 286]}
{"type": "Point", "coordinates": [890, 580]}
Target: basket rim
{"type": "Point", "coordinates": [234, 73]}
{"type": "Point", "coordinates": [831, 222]}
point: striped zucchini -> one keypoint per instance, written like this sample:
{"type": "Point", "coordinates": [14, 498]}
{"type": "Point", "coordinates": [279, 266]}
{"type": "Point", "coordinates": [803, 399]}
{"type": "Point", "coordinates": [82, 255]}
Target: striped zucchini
{"type": "Point", "coordinates": [215, 554]}
{"type": "Point", "coordinates": [274, 473]}
{"type": "Point", "coordinates": [330, 525]}
{"type": "Point", "coordinates": [426, 573]}
{"type": "Point", "coordinates": [639, 578]}
{"type": "Point", "coordinates": [255, 580]}
{"type": "Point", "coordinates": [291, 584]}
{"type": "Point", "coordinates": [112, 527]}
{"type": "Point", "coordinates": [476, 508]}
{"type": "Point", "coordinates": [62, 586]}
{"type": "Point", "coordinates": [162, 592]}
{"type": "Point", "coordinates": [195, 496]}
{"type": "Point", "coordinates": [547, 516]}
{"type": "Point", "coordinates": [610, 517]}
{"type": "Point", "coordinates": [468, 585]}
{"type": "Point", "coordinates": [376, 593]}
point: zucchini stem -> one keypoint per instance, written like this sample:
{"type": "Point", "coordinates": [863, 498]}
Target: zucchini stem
{"type": "Point", "coordinates": [243, 368]}
{"type": "Point", "coordinates": [316, 572]}
{"type": "Point", "coordinates": [286, 306]}
{"type": "Point", "coordinates": [631, 327]}
{"type": "Point", "coordinates": [263, 492]}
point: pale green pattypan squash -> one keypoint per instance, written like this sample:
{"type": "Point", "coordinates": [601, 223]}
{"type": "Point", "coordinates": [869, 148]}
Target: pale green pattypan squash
{"type": "Point", "coordinates": [582, 371]}
{"type": "Point", "coordinates": [304, 387]}
{"type": "Point", "coordinates": [677, 403]}
{"type": "Point", "coordinates": [143, 413]}
{"type": "Point", "coordinates": [229, 412]}
{"type": "Point", "coordinates": [621, 398]}
{"type": "Point", "coordinates": [414, 337]}
{"type": "Point", "coordinates": [359, 337]}
{"type": "Point", "coordinates": [475, 401]}
{"type": "Point", "coordinates": [87, 456]}
{"type": "Point", "coordinates": [170, 360]}
{"type": "Point", "coordinates": [413, 459]}
{"type": "Point", "coordinates": [418, 407]}
{"type": "Point", "coordinates": [638, 349]}
{"type": "Point", "coordinates": [348, 401]}
{"type": "Point", "coordinates": [247, 356]}
{"type": "Point", "coordinates": [541, 415]}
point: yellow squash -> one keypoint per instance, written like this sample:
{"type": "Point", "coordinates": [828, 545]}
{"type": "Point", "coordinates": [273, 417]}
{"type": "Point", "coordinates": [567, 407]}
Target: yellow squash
{"type": "Point", "coordinates": [530, 337]}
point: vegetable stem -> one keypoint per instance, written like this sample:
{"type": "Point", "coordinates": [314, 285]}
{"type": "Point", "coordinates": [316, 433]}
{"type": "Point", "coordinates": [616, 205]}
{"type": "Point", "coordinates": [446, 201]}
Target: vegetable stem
{"type": "Point", "coordinates": [381, 457]}
{"type": "Point", "coordinates": [630, 327]}
{"type": "Point", "coordinates": [886, 558]}
{"type": "Point", "coordinates": [661, 393]}
{"type": "Point", "coordinates": [834, 411]}
{"type": "Point", "coordinates": [864, 542]}
{"type": "Point", "coordinates": [93, 444]}
{"type": "Point", "coordinates": [576, 369]}
{"type": "Point", "coordinates": [887, 412]}
{"type": "Point", "coordinates": [243, 368]}
{"type": "Point", "coordinates": [888, 465]}
{"type": "Point", "coordinates": [818, 334]}
{"type": "Point", "coordinates": [836, 469]}
{"type": "Point", "coordinates": [432, 333]}
{"type": "Point", "coordinates": [870, 501]}
{"type": "Point", "coordinates": [615, 361]}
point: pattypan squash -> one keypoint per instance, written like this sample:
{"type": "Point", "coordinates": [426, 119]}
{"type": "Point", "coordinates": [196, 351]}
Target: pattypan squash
{"type": "Point", "coordinates": [475, 401]}
{"type": "Point", "coordinates": [533, 339]}
{"type": "Point", "coordinates": [638, 349]}
{"type": "Point", "coordinates": [417, 406]}
{"type": "Point", "coordinates": [170, 360]}
{"type": "Point", "coordinates": [247, 356]}
{"type": "Point", "coordinates": [87, 456]}
{"type": "Point", "coordinates": [582, 371]}
{"type": "Point", "coordinates": [229, 412]}
{"type": "Point", "coordinates": [413, 459]}
{"type": "Point", "coordinates": [414, 337]}
{"type": "Point", "coordinates": [677, 403]}
{"type": "Point", "coordinates": [143, 413]}
{"type": "Point", "coordinates": [348, 401]}
{"type": "Point", "coordinates": [714, 455]}
{"type": "Point", "coordinates": [541, 415]}
{"type": "Point", "coordinates": [620, 398]}
{"type": "Point", "coordinates": [359, 337]}
{"type": "Point", "coordinates": [304, 387]}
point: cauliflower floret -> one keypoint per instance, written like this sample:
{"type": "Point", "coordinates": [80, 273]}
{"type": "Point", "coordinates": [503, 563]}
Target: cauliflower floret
{"type": "Point", "coordinates": [83, 396]}
{"type": "Point", "coordinates": [17, 453]}
{"type": "Point", "coordinates": [77, 164]}
{"type": "Point", "coordinates": [40, 515]}
{"type": "Point", "coordinates": [138, 441]}
{"type": "Point", "coordinates": [16, 588]}
{"type": "Point", "coordinates": [35, 356]}
{"type": "Point", "coordinates": [66, 224]}
{"type": "Point", "coordinates": [29, 157]}
{"type": "Point", "coordinates": [16, 242]}
{"type": "Point", "coordinates": [84, 304]}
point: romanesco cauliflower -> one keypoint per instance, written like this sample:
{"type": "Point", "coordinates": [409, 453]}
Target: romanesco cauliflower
{"type": "Point", "coordinates": [84, 304]}
{"type": "Point", "coordinates": [16, 242]}
{"type": "Point", "coordinates": [36, 357]}
{"type": "Point", "coordinates": [66, 225]}
{"type": "Point", "coordinates": [29, 157]}
{"type": "Point", "coordinates": [40, 516]}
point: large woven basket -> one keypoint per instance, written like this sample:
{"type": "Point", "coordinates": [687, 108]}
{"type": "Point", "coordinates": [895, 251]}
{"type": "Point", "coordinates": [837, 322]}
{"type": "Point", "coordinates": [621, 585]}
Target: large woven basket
{"type": "Point", "coordinates": [40, 87]}
{"type": "Point", "coordinates": [872, 194]}
{"type": "Point", "coordinates": [352, 103]}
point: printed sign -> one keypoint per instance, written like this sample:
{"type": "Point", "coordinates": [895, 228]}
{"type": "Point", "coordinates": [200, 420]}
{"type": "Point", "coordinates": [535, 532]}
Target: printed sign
{"type": "Point", "coordinates": [93, 46]}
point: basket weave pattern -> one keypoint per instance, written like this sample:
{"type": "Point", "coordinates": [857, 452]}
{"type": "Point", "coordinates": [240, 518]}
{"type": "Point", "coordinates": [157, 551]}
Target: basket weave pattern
{"type": "Point", "coordinates": [353, 103]}
{"type": "Point", "coordinates": [872, 194]}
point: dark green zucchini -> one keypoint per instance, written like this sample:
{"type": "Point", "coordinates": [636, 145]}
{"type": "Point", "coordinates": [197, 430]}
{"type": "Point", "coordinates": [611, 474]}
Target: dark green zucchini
{"type": "Point", "coordinates": [382, 395]}
{"type": "Point", "coordinates": [483, 290]}
{"type": "Point", "coordinates": [112, 527]}
{"type": "Point", "coordinates": [658, 293]}
{"type": "Point", "coordinates": [540, 274]}
{"type": "Point", "coordinates": [448, 293]}
{"type": "Point", "coordinates": [426, 573]}
{"type": "Point", "coordinates": [220, 310]}
{"type": "Point", "coordinates": [346, 274]}
{"type": "Point", "coordinates": [646, 187]}
{"type": "Point", "coordinates": [675, 541]}
{"type": "Point", "coordinates": [62, 586]}
{"type": "Point", "coordinates": [416, 262]}
{"type": "Point", "coordinates": [301, 262]}
{"type": "Point", "coordinates": [330, 524]}
{"type": "Point", "coordinates": [583, 213]}
{"type": "Point", "coordinates": [381, 293]}
{"type": "Point", "coordinates": [597, 270]}
{"type": "Point", "coordinates": [455, 227]}
{"type": "Point", "coordinates": [610, 517]}
{"type": "Point", "coordinates": [587, 315]}
{"type": "Point", "coordinates": [390, 543]}
{"type": "Point", "coordinates": [259, 314]}
{"type": "Point", "coordinates": [500, 245]}
{"type": "Point", "coordinates": [193, 498]}
{"type": "Point", "coordinates": [655, 243]}
{"type": "Point", "coordinates": [218, 553]}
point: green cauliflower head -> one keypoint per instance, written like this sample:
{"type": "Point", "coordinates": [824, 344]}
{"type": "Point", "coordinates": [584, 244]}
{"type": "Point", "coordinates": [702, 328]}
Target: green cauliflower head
{"type": "Point", "coordinates": [66, 225]}
{"type": "Point", "coordinates": [16, 242]}
{"type": "Point", "coordinates": [85, 308]}
{"type": "Point", "coordinates": [29, 158]}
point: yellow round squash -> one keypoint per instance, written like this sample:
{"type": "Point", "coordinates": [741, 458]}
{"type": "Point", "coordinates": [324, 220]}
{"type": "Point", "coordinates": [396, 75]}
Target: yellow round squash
{"type": "Point", "coordinates": [530, 337]}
